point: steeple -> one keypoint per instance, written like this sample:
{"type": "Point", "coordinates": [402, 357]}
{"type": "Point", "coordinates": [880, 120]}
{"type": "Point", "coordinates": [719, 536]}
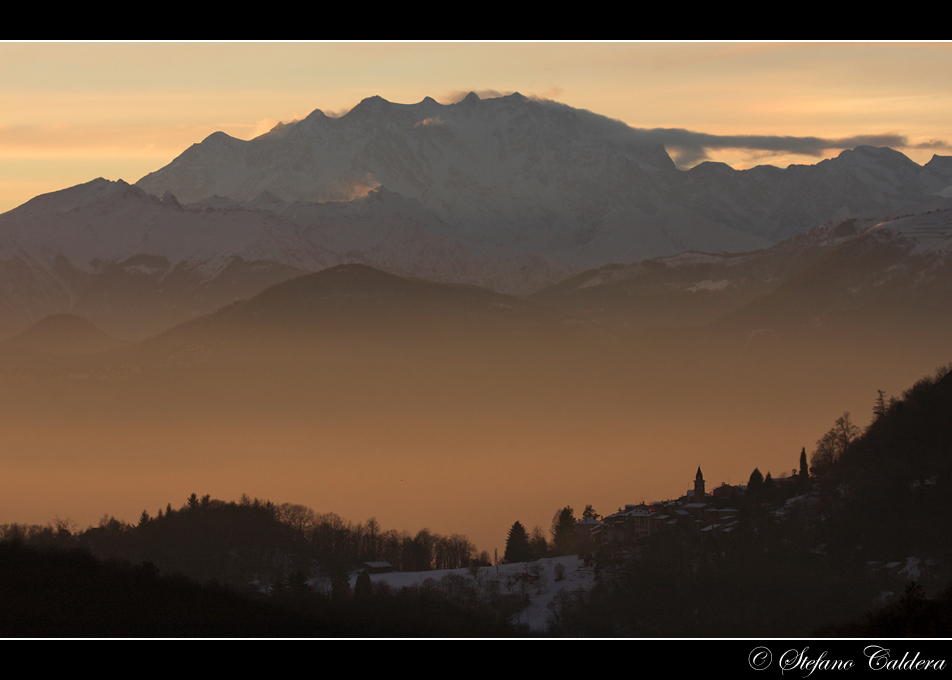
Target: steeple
{"type": "Point", "coordinates": [699, 495]}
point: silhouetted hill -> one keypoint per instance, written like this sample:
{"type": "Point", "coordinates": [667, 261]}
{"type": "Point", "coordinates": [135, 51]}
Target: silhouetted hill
{"type": "Point", "coordinates": [71, 594]}
{"type": "Point", "coordinates": [351, 374]}
{"type": "Point", "coordinates": [912, 616]}
{"type": "Point", "coordinates": [890, 487]}
{"type": "Point", "coordinates": [53, 593]}
{"type": "Point", "coordinates": [62, 334]}
{"type": "Point", "coordinates": [356, 313]}
{"type": "Point", "coordinates": [815, 563]}
{"type": "Point", "coordinates": [365, 296]}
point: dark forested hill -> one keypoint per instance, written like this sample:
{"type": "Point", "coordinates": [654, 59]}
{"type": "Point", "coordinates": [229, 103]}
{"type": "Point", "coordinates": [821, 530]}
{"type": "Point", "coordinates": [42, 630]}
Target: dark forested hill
{"type": "Point", "coordinates": [865, 552]}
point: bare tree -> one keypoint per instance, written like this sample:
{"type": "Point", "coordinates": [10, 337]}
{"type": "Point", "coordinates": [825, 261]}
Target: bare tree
{"type": "Point", "coordinates": [845, 434]}
{"type": "Point", "coordinates": [831, 447]}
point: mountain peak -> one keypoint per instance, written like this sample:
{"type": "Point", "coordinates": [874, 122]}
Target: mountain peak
{"type": "Point", "coordinates": [168, 198]}
{"type": "Point", "coordinates": [219, 137]}
{"type": "Point", "coordinates": [514, 177]}
{"type": "Point", "coordinates": [368, 107]}
{"type": "Point", "coordinates": [95, 191]}
{"type": "Point", "coordinates": [878, 154]}
{"type": "Point", "coordinates": [62, 334]}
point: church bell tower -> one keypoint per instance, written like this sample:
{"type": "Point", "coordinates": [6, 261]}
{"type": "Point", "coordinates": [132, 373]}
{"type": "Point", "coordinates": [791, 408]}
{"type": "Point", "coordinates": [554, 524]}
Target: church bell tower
{"type": "Point", "coordinates": [699, 496]}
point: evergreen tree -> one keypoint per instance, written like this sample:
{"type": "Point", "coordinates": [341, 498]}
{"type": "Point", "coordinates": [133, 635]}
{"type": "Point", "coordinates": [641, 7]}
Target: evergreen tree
{"type": "Point", "coordinates": [803, 478]}
{"type": "Point", "coordinates": [768, 489]}
{"type": "Point", "coordinates": [517, 544]}
{"type": "Point", "coordinates": [363, 588]}
{"type": "Point", "coordinates": [755, 485]}
{"type": "Point", "coordinates": [879, 409]}
{"type": "Point", "coordinates": [563, 532]}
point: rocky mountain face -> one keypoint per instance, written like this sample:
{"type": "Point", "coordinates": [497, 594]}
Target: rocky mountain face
{"type": "Point", "coordinates": [511, 194]}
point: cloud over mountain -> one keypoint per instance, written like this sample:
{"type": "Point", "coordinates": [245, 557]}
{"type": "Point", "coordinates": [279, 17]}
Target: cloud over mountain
{"type": "Point", "coordinates": [691, 147]}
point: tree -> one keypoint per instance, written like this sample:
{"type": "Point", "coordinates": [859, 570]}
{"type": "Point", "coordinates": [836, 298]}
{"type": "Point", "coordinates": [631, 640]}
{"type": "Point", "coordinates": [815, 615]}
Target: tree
{"type": "Point", "coordinates": [589, 513]}
{"type": "Point", "coordinates": [538, 546]}
{"type": "Point", "coordinates": [845, 433]}
{"type": "Point", "coordinates": [339, 578]}
{"type": "Point", "coordinates": [833, 445]}
{"type": "Point", "coordinates": [363, 588]}
{"type": "Point", "coordinates": [768, 490]}
{"type": "Point", "coordinates": [755, 485]}
{"type": "Point", "coordinates": [821, 462]}
{"type": "Point", "coordinates": [563, 531]}
{"type": "Point", "coordinates": [517, 544]}
{"type": "Point", "coordinates": [803, 477]}
{"type": "Point", "coordinates": [879, 409]}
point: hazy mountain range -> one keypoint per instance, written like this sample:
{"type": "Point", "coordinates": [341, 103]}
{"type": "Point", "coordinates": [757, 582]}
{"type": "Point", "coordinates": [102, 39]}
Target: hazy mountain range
{"type": "Point", "coordinates": [510, 194]}
{"type": "Point", "coordinates": [498, 299]}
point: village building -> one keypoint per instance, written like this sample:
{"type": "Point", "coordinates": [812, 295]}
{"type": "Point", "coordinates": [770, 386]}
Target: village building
{"type": "Point", "coordinates": [695, 512]}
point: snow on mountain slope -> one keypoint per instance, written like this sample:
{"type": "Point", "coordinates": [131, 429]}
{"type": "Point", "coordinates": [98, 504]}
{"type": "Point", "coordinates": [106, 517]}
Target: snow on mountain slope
{"type": "Point", "coordinates": [104, 222]}
{"type": "Point", "coordinates": [516, 176]}
{"type": "Point", "coordinates": [890, 275]}
{"type": "Point", "coordinates": [509, 193]}
{"type": "Point", "coordinates": [929, 233]}
{"type": "Point", "coordinates": [852, 263]}
{"type": "Point", "coordinates": [513, 176]}
{"type": "Point", "coordinates": [85, 248]}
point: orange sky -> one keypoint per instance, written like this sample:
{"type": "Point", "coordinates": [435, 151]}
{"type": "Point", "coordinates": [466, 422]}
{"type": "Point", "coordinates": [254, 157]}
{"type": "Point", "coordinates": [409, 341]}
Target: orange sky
{"type": "Point", "coordinates": [74, 111]}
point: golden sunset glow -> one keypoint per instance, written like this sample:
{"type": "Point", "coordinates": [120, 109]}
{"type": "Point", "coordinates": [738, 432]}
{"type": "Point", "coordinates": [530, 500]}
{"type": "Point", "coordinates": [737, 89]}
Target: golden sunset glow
{"type": "Point", "coordinates": [75, 111]}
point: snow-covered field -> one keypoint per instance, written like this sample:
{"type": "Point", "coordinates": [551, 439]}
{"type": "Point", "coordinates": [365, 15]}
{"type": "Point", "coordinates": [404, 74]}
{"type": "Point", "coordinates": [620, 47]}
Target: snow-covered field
{"type": "Point", "coordinates": [541, 590]}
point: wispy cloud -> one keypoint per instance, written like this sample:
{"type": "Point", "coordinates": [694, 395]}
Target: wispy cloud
{"type": "Point", "coordinates": [689, 148]}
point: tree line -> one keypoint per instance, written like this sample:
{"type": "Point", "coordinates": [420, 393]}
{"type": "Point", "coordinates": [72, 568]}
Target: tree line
{"type": "Point", "coordinates": [71, 593]}
{"type": "Point", "coordinates": [521, 546]}
{"type": "Point", "coordinates": [235, 542]}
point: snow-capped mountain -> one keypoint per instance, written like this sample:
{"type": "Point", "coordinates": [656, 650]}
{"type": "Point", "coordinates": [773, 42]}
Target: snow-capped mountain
{"type": "Point", "coordinates": [136, 263]}
{"type": "Point", "coordinates": [510, 193]}
{"type": "Point", "coordinates": [517, 175]}
{"type": "Point", "coordinates": [133, 262]}
{"type": "Point", "coordinates": [510, 176]}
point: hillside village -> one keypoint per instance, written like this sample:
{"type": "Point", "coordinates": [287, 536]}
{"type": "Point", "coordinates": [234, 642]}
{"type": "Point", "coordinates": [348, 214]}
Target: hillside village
{"type": "Point", "coordinates": [856, 548]}
{"type": "Point", "coordinates": [696, 512]}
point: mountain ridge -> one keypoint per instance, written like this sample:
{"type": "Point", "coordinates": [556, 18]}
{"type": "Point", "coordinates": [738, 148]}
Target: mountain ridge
{"type": "Point", "coordinates": [510, 193]}
{"type": "Point", "coordinates": [871, 265]}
